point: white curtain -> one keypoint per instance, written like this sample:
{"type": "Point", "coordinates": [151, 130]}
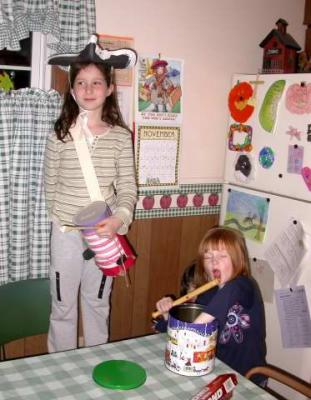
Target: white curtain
{"type": "Point", "coordinates": [27, 117]}
{"type": "Point", "coordinates": [67, 23]}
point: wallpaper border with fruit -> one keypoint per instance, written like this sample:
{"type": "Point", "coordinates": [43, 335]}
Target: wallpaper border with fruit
{"type": "Point", "coordinates": [185, 200]}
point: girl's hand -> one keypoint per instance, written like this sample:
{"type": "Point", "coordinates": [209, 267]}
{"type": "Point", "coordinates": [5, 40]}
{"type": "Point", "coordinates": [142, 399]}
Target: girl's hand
{"type": "Point", "coordinates": [109, 227]}
{"type": "Point", "coordinates": [203, 318]}
{"type": "Point", "coordinates": [164, 305]}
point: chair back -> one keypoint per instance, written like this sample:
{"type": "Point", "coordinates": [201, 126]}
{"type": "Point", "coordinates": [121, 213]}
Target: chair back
{"type": "Point", "coordinates": [284, 377]}
{"type": "Point", "coordinates": [24, 309]}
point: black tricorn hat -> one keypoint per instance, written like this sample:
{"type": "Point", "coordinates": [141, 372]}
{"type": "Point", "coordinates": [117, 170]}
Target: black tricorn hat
{"type": "Point", "coordinates": [93, 53]}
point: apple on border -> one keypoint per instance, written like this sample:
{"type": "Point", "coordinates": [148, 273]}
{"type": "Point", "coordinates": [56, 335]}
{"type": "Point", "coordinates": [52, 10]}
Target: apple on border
{"type": "Point", "coordinates": [148, 202]}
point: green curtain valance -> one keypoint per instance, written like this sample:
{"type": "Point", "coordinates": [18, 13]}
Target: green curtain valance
{"type": "Point", "coordinates": [68, 24]}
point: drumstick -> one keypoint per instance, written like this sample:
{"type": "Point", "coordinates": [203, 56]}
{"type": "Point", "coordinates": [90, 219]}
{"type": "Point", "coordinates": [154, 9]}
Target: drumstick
{"type": "Point", "coordinates": [188, 296]}
{"type": "Point", "coordinates": [79, 227]}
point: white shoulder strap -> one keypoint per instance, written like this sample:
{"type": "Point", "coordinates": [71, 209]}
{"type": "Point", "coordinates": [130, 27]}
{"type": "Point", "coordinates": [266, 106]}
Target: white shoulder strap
{"type": "Point", "coordinates": [85, 160]}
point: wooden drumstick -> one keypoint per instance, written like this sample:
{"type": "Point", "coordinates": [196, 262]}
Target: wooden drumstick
{"type": "Point", "coordinates": [188, 296]}
{"type": "Point", "coordinates": [78, 227]}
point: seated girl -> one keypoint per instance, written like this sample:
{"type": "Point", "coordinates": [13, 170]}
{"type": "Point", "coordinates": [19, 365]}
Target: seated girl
{"type": "Point", "coordinates": [236, 303]}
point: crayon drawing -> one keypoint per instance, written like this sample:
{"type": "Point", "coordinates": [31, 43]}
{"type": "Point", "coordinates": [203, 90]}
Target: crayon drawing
{"type": "Point", "coordinates": [248, 213]}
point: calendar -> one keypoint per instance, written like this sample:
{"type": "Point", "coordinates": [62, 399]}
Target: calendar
{"type": "Point", "coordinates": [157, 155]}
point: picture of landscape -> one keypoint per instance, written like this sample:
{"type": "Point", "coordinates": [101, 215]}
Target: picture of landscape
{"type": "Point", "coordinates": [248, 213]}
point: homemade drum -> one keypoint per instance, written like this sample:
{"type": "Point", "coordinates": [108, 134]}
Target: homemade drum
{"type": "Point", "coordinates": [191, 347]}
{"type": "Point", "coordinates": [113, 256]}
{"type": "Point", "coordinates": [92, 214]}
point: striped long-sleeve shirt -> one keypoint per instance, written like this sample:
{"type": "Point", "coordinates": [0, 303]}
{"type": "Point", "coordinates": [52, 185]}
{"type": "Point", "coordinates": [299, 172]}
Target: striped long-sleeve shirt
{"type": "Point", "coordinates": [65, 189]}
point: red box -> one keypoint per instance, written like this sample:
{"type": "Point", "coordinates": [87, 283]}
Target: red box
{"type": "Point", "coordinates": [220, 388]}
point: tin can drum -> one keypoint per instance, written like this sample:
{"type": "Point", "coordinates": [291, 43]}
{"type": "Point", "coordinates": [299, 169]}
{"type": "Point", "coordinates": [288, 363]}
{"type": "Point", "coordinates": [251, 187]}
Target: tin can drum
{"type": "Point", "coordinates": [191, 347]}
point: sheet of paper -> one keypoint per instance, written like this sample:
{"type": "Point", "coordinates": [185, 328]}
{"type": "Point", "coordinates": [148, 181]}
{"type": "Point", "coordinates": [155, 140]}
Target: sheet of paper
{"type": "Point", "coordinates": [264, 276]}
{"type": "Point", "coordinates": [125, 100]}
{"type": "Point", "coordinates": [157, 155]}
{"type": "Point", "coordinates": [124, 77]}
{"type": "Point", "coordinates": [286, 252]}
{"type": "Point", "coordinates": [294, 317]}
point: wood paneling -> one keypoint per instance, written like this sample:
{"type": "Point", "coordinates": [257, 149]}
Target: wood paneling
{"type": "Point", "coordinates": [59, 79]}
{"type": "Point", "coordinates": [26, 347]}
{"type": "Point", "coordinates": [307, 13]}
{"type": "Point", "coordinates": [36, 345]}
{"type": "Point", "coordinates": [164, 247]}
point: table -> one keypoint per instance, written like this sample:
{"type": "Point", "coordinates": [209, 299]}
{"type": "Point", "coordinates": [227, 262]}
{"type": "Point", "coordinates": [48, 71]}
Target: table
{"type": "Point", "coordinates": [68, 375]}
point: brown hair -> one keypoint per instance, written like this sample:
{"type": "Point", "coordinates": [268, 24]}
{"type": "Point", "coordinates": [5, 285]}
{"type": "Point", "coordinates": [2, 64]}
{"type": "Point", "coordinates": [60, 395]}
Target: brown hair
{"type": "Point", "coordinates": [234, 243]}
{"type": "Point", "coordinates": [70, 110]}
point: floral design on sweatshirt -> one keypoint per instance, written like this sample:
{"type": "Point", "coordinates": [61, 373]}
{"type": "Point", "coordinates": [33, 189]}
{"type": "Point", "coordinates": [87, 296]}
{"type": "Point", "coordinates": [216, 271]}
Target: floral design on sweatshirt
{"type": "Point", "coordinates": [236, 322]}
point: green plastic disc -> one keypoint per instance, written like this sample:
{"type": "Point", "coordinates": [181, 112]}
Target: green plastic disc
{"type": "Point", "coordinates": [119, 374]}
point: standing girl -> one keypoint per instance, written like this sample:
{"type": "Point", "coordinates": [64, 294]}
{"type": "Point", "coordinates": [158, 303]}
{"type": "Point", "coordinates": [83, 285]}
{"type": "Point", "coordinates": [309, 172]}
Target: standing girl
{"type": "Point", "coordinates": [92, 94]}
{"type": "Point", "coordinates": [236, 303]}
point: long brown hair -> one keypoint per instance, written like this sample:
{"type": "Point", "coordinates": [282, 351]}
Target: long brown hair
{"type": "Point", "coordinates": [70, 110]}
{"type": "Point", "coordinates": [234, 243]}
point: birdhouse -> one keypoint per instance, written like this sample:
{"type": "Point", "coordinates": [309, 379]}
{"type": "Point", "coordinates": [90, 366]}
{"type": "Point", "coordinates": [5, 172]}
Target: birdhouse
{"type": "Point", "coordinates": [280, 50]}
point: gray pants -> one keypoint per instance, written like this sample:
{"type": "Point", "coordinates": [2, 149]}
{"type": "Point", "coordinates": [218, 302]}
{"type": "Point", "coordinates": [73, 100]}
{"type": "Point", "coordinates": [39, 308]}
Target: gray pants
{"type": "Point", "coordinates": [70, 273]}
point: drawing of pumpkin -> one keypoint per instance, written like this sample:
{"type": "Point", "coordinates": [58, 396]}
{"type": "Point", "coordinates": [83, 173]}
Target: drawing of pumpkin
{"type": "Point", "coordinates": [239, 102]}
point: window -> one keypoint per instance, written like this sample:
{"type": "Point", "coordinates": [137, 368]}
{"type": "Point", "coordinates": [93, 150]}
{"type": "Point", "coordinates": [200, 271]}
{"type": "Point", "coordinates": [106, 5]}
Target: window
{"type": "Point", "coordinates": [27, 67]}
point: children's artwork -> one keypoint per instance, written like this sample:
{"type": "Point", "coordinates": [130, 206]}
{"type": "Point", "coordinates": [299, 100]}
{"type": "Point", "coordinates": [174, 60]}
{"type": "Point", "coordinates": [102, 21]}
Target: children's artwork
{"type": "Point", "coordinates": [248, 213]}
{"type": "Point", "coordinates": [244, 168]}
{"type": "Point", "coordinates": [239, 102]}
{"type": "Point", "coordinates": [157, 155]}
{"type": "Point", "coordinates": [295, 159]}
{"type": "Point", "coordinates": [298, 98]}
{"type": "Point", "coordinates": [240, 137]}
{"type": "Point", "coordinates": [270, 105]}
{"type": "Point", "coordinates": [124, 77]}
{"type": "Point", "coordinates": [293, 133]}
{"type": "Point", "coordinates": [159, 90]}
{"type": "Point", "coordinates": [266, 157]}
{"type": "Point", "coordinates": [306, 174]}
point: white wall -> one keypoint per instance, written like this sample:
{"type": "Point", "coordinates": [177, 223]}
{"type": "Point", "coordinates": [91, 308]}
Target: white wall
{"type": "Point", "coordinates": [215, 39]}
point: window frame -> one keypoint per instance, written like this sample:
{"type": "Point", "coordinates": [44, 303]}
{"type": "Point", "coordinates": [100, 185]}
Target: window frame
{"type": "Point", "coordinates": [40, 72]}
